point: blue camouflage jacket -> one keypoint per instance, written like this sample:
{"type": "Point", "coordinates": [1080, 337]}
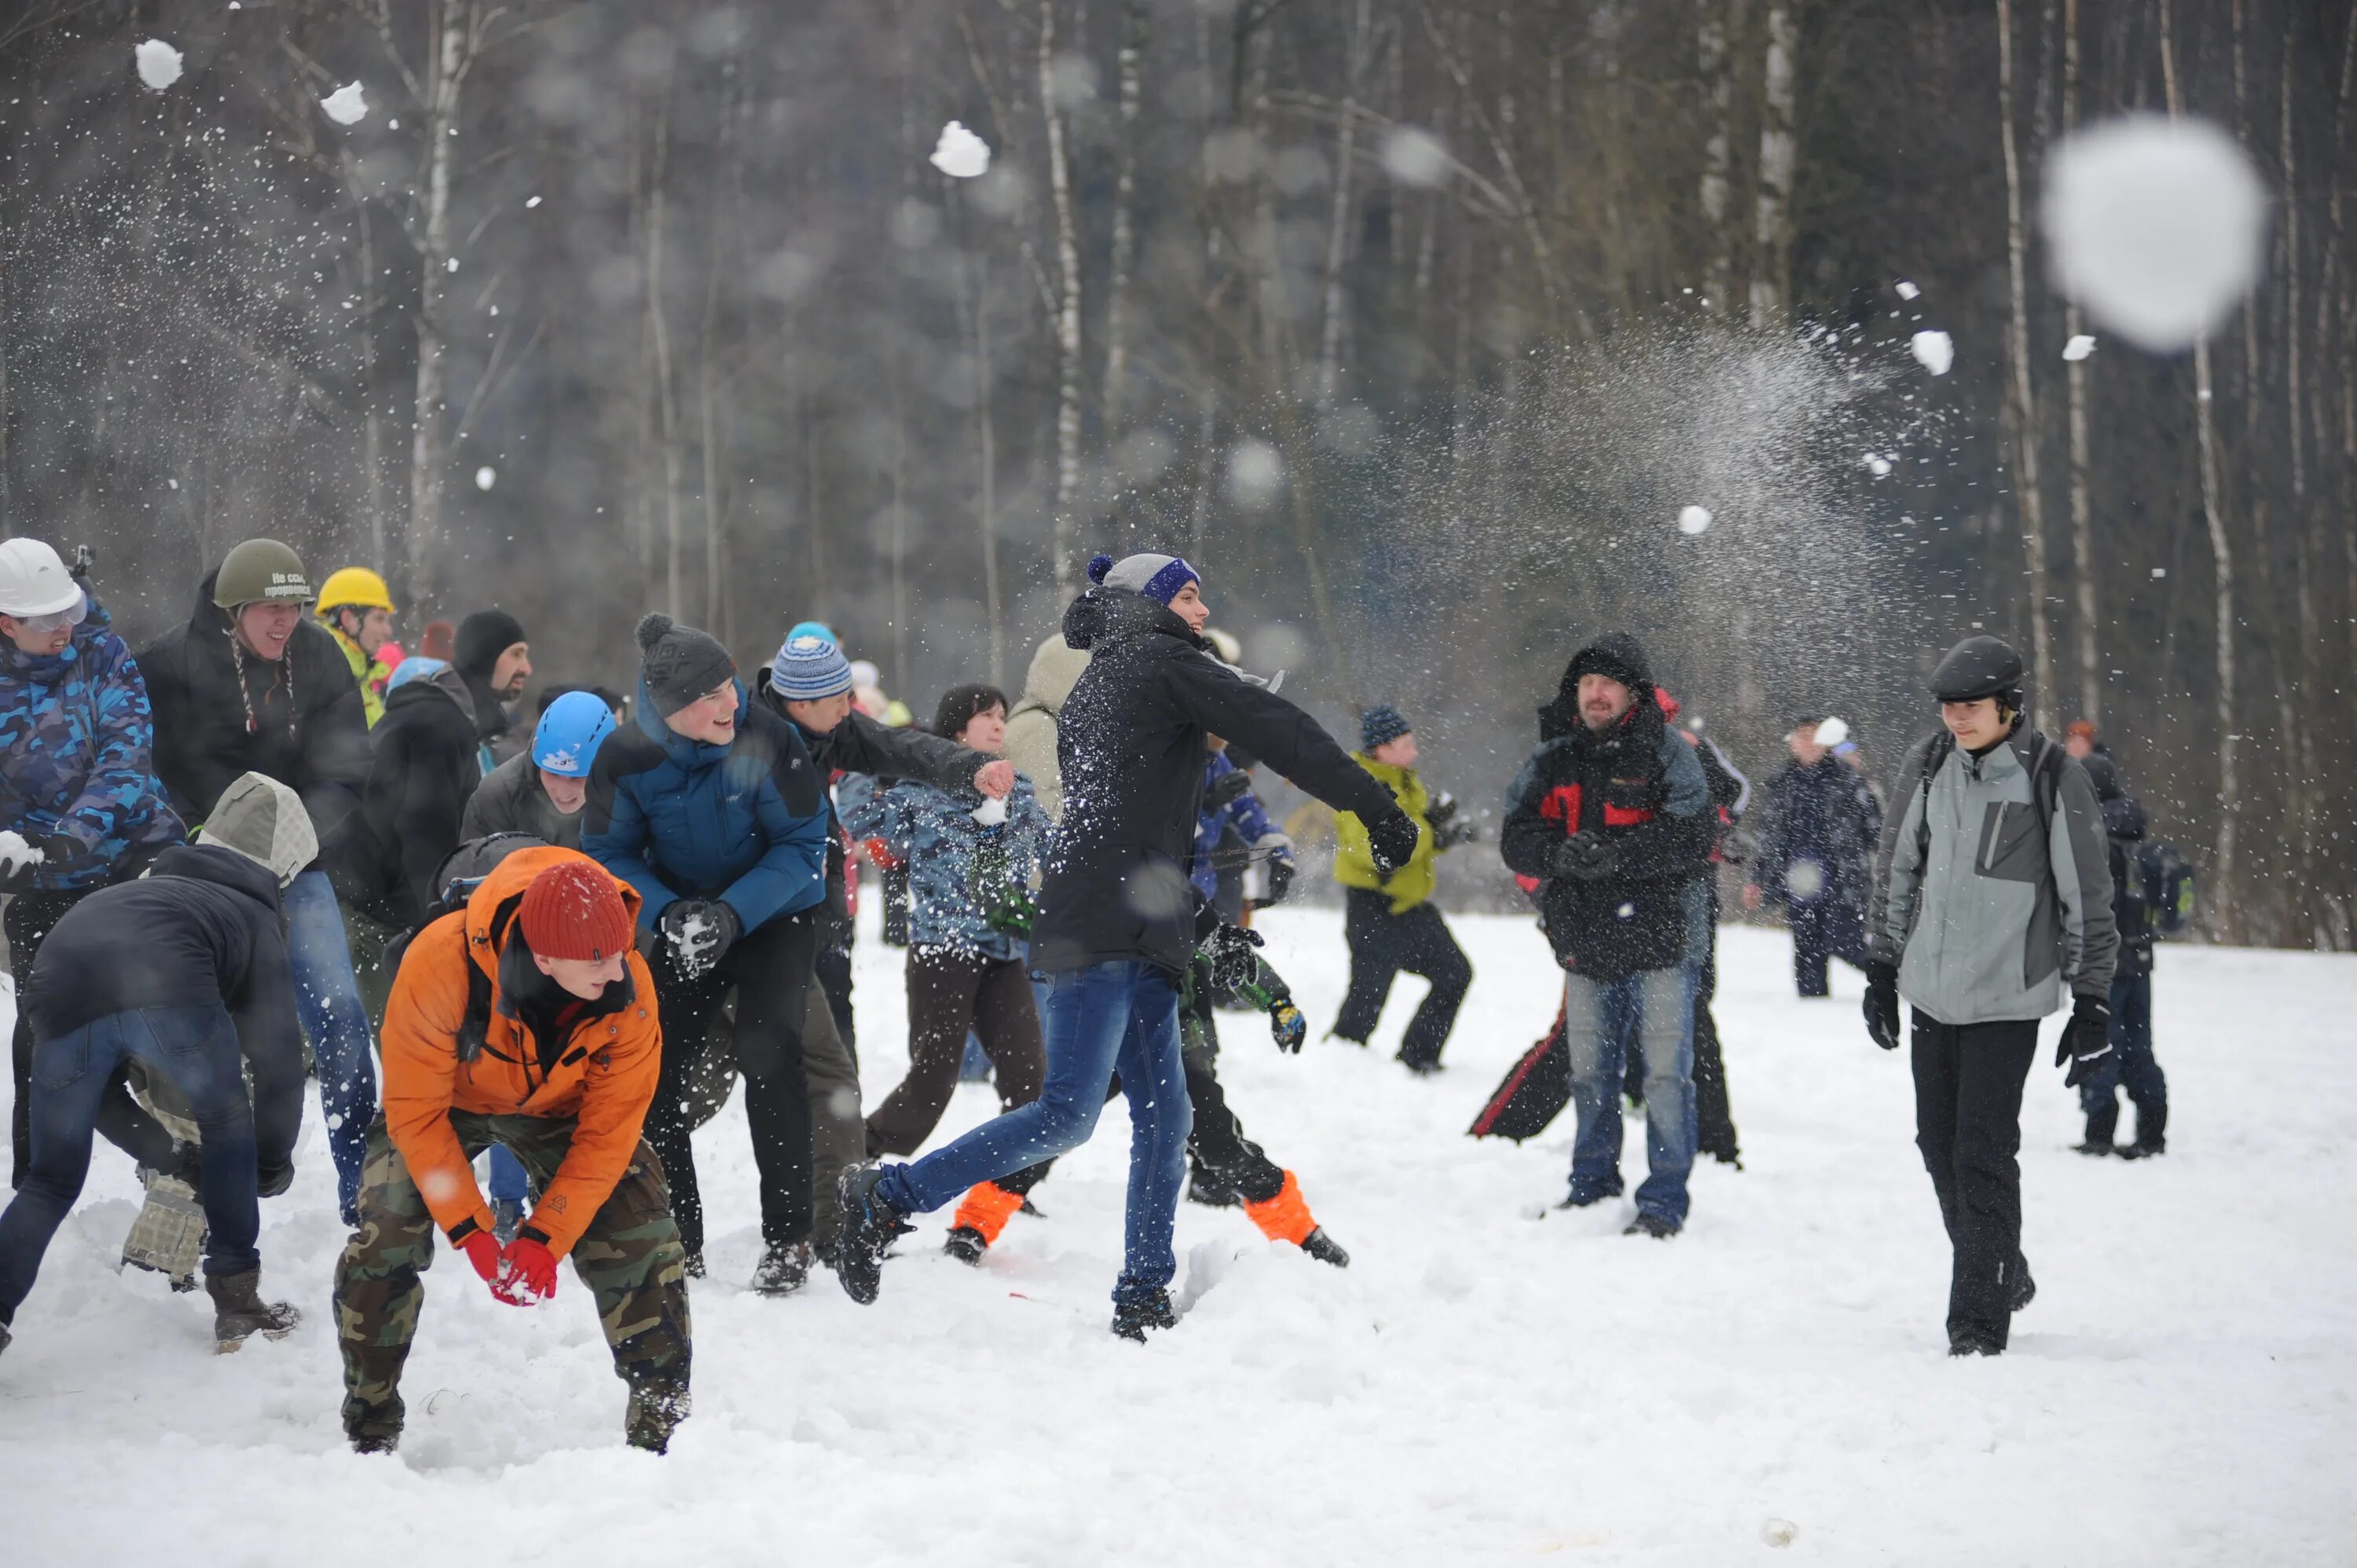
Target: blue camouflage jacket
{"type": "Point", "coordinates": [1244, 813]}
{"type": "Point", "coordinates": [933, 829]}
{"type": "Point", "coordinates": [77, 754]}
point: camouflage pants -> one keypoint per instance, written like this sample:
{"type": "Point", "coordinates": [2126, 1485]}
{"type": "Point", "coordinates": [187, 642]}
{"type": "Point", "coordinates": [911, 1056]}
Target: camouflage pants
{"type": "Point", "coordinates": [629, 1258]}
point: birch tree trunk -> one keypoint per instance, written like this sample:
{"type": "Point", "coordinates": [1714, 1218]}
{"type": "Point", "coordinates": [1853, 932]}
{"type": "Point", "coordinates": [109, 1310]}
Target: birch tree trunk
{"type": "Point", "coordinates": [2024, 409]}
{"type": "Point", "coordinates": [1130, 64]}
{"type": "Point", "coordinates": [659, 329]}
{"type": "Point", "coordinates": [1337, 230]}
{"type": "Point", "coordinates": [1718, 152]}
{"type": "Point", "coordinates": [974, 302]}
{"type": "Point", "coordinates": [2225, 920]}
{"type": "Point", "coordinates": [2074, 375]}
{"type": "Point", "coordinates": [1067, 314]}
{"type": "Point", "coordinates": [1772, 266]}
{"type": "Point", "coordinates": [429, 450]}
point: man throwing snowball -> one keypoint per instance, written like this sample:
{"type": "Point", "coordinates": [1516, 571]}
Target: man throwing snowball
{"type": "Point", "coordinates": [526, 1019]}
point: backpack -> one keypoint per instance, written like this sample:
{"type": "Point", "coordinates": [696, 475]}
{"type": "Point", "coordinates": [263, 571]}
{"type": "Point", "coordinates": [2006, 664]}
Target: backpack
{"type": "Point", "coordinates": [454, 881]}
{"type": "Point", "coordinates": [2167, 886]}
{"type": "Point", "coordinates": [1534, 1091]}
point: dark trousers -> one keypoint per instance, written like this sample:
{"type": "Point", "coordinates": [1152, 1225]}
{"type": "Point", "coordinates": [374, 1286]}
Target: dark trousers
{"type": "Point", "coordinates": [1825, 928]}
{"type": "Point", "coordinates": [2133, 1067]}
{"type": "Point", "coordinates": [1968, 1082]}
{"type": "Point", "coordinates": [1216, 1144]}
{"type": "Point", "coordinates": [833, 967]}
{"type": "Point", "coordinates": [1714, 1117]}
{"type": "Point", "coordinates": [1383, 944]}
{"type": "Point", "coordinates": [196, 1049]}
{"type": "Point", "coordinates": [771, 967]}
{"type": "Point", "coordinates": [950, 993]}
{"type": "Point", "coordinates": [29, 919]}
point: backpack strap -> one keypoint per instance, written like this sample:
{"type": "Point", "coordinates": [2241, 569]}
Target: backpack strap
{"type": "Point", "coordinates": [1933, 755]}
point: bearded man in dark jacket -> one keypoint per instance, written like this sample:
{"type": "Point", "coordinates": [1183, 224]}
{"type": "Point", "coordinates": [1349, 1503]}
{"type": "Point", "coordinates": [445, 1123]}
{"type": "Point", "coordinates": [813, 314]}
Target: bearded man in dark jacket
{"type": "Point", "coordinates": [1119, 919]}
{"type": "Point", "coordinates": [1614, 815]}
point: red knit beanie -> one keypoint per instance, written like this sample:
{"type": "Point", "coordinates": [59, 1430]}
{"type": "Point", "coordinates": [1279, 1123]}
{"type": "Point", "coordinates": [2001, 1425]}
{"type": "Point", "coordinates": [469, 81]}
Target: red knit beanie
{"type": "Point", "coordinates": [574, 911]}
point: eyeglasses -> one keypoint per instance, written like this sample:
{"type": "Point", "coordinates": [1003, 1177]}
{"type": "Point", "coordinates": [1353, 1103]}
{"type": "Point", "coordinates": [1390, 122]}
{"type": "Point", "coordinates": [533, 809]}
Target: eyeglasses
{"type": "Point", "coordinates": [56, 620]}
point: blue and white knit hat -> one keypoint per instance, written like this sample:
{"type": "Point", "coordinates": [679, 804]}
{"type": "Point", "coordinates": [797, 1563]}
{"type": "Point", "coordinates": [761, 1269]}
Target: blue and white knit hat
{"type": "Point", "coordinates": [809, 667]}
{"type": "Point", "coordinates": [1156, 577]}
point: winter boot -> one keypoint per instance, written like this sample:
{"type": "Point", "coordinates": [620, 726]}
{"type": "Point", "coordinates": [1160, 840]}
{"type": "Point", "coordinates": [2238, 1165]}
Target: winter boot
{"type": "Point", "coordinates": [239, 1311]}
{"type": "Point", "coordinates": [2096, 1147]}
{"type": "Point", "coordinates": [869, 1225]}
{"type": "Point", "coordinates": [1132, 1314]}
{"type": "Point", "coordinates": [2143, 1148]}
{"type": "Point", "coordinates": [507, 1217]}
{"type": "Point", "coordinates": [1213, 1189]}
{"type": "Point", "coordinates": [373, 1428]}
{"type": "Point", "coordinates": [2025, 1289]}
{"type": "Point", "coordinates": [656, 1409]}
{"type": "Point", "coordinates": [169, 1233]}
{"type": "Point", "coordinates": [1653, 1225]}
{"type": "Point", "coordinates": [784, 1268]}
{"type": "Point", "coordinates": [1325, 1249]}
{"type": "Point", "coordinates": [981, 1216]}
{"type": "Point", "coordinates": [1972, 1342]}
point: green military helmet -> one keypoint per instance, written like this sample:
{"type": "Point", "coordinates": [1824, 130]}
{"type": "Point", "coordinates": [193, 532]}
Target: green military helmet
{"type": "Point", "coordinates": [262, 571]}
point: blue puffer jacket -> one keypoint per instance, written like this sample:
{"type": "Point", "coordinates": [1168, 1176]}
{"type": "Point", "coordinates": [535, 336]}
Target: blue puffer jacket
{"type": "Point", "coordinates": [933, 829]}
{"type": "Point", "coordinates": [1245, 814]}
{"type": "Point", "coordinates": [744, 822]}
{"type": "Point", "coordinates": [77, 754]}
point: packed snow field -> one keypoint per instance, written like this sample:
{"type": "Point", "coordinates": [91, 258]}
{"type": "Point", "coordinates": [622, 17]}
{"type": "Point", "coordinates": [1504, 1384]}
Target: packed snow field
{"type": "Point", "coordinates": [1490, 1379]}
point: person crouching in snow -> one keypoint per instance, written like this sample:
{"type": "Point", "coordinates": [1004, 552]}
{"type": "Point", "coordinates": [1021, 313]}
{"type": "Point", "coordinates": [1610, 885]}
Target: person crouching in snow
{"type": "Point", "coordinates": [207, 991]}
{"type": "Point", "coordinates": [1118, 920]}
{"type": "Point", "coordinates": [1613, 813]}
{"type": "Point", "coordinates": [527, 1020]}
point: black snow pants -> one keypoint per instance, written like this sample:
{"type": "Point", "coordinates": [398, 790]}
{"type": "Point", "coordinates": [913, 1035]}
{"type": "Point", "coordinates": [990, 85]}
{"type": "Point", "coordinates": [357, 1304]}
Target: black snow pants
{"type": "Point", "coordinates": [1383, 944]}
{"type": "Point", "coordinates": [1823, 930]}
{"type": "Point", "coordinates": [1968, 1083]}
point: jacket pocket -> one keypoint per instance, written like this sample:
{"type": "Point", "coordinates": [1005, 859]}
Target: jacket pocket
{"type": "Point", "coordinates": [2012, 849]}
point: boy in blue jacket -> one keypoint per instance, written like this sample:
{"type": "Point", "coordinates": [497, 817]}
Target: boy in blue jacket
{"type": "Point", "coordinates": [709, 806]}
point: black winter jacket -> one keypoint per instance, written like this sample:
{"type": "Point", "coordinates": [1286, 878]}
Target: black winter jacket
{"type": "Point", "coordinates": [382, 857]}
{"type": "Point", "coordinates": [202, 930]}
{"type": "Point", "coordinates": [308, 728]}
{"type": "Point", "coordinates": [509, 800]}
{"type": "Point", "coordinates": [1821, 817]}
{"type": "Point", "coordinates": [1130, 744]}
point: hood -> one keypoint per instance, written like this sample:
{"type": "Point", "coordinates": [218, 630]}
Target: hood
{"type": "Point", "coordinates": [678, 747]}
{"type": "Point", "coordinates": [1616, 654]}
{"type": "Point", "coordinates": [1055, 666]}
{"type": "Point", "coordinates": [2124, 817]}
{"type": "Point", "coordinates": [265, 821]}
{"type": "Point", "coordinates": [445, 682]}
{"type": "Point", "coordinates": [226, 867]}
{"type": "Point", "coordinates": [492, 906]}
{"type": "Point", "coordinates": [1103, 616]}
{"type": "Point", "coordinates": [209, 617]}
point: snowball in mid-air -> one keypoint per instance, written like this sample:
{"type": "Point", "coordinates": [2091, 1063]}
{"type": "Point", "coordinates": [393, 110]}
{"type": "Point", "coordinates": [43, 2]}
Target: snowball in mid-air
{"type": "Point", "coordinates": [1875, 463]}
{"type": "Point", "coordinates": [1935, 351]}
{"type": "Point", "coordinates": [347, 105]}
{"type": "Point", "coordinates": [1412, 156]}
{"type": "Point", "coordinates": [2157, 226]}
{"type": "Point", "coordinates": [1908, 290]}
{"type": "Point", "coordinates": [1833, 732]}
{"type": "Point", "coordinates": [485, 476]}
{"type": "Point", "coordinates": [1255, 474]}
{"type": "Point", "coordinates": [960, 154]}
{"type": "Point", "coordinates": [2078, 348]}
{"type": "Point", "coordinates": [1694, 520]}
{"type": "Point", "coordinates": [159, 63]}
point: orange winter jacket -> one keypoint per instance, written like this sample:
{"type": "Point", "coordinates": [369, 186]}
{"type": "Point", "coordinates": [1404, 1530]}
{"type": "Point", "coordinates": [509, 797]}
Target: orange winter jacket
{"type": "Point", "coordinates": [602, 1081]}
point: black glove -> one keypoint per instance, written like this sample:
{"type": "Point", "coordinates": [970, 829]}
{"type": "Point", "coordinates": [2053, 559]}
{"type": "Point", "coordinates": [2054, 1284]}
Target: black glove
{"type": "Point", "coordinates": [699, 931]}
{"type": "Point", "coordinates": [1227, 789]}
{"type": "Point", "coordinates": [2086, 1042]}
{"type": "Point", "coordinates": [1584, 857]}
{"type": "Point", "coordinates": [1451, 835]}
{"type": "Point", "coordinates": [1882, 1004]}
{"type": "Point", "coordinates": [1285, 1022]}
{"type": "Point", "coordinates": [1392, 841]}
{"type": "Point", "coordinates": [1234, 963]}
{"type": "Point", "coordinates": [1280, 878]}
{"type": "Point", "coordinates": [1443, 807]}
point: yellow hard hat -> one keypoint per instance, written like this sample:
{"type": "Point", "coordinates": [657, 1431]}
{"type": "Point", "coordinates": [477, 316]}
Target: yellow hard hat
{"type": "Point", "coordinates": [356, 586]}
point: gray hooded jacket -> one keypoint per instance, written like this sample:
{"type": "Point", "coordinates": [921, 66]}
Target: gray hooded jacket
{"type": "Point", "coordinates": [1031, 727]}
{"type": "Point", "coordinates": [1987, 909]}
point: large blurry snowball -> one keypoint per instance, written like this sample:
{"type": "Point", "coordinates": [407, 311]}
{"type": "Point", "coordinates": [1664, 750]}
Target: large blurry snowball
{"type": "Point", "coordinates": [1694, 520]}
{"type": "Point", "coordinates": [485, 476]}
{"type": "Point", "coordinates": [1935, 351]}
{"type": "Point", "coordinates": [2157, 226]}
{"type": "Point", "coordinates": [1415, 156]}
{"type": "Point", "coordinates": [1833, 732]}
{"type": "Point", "coordinates": [2078, 348]}
{"type": "Point", "coordinates": [960, 154]}
{"type": "Point", "coordinates": [1255, 474]}
{"type": "Point", "coordinates": [159, 63]}
{"type": "Point", "coordinates": [347, 105]}
{"type": "Point", "coordinates": [1804, 880]}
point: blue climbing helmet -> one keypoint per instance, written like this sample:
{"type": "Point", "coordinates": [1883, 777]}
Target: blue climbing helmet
{"type": "Point", "coordinates": [567, 741]}
{"type": "Point", "coordinates": [417, 667]}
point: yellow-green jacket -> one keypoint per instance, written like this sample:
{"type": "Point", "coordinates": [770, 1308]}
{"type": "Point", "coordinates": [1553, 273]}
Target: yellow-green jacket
{"type": "Point", "coordinates": [371, 674]}
{"type": "Point", "coordinates": [1354, 860]}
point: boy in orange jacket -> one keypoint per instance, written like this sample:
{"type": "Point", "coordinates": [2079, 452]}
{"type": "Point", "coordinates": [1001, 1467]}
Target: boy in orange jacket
{"type": "Point", "coordinates": [527, 1020]}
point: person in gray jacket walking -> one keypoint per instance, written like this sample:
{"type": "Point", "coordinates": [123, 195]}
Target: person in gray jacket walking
{"type": "Point", "coordinates": [1992, 899]}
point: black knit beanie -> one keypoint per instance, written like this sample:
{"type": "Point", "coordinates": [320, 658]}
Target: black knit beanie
{"type": "Point", "coordinates": [482, 638]}
{"type": "Point", "coordinates": [679, 664]}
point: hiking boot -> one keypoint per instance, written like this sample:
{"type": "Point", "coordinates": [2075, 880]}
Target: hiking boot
{"type": "Point", "coordinates": [966, 1244]}
{"type": "Point", "coordinates": [1213, 1189]}
{"type": "Point", "coordinates": [377, 1443]}
{"type": "Point", "coordinates": [784, 1268]}
{"type": "Point", "coordinates": [373, 1428]}
{"type": "Point", "coordinates": [240, 1312]}
{"type": "Point", "coordinates": [1972, 1342]}
{"type": "Point", "coordinates": [1653, 1225]}
{"type": "Point", "coordinates": [2025, 1289]}
{"type": "Point", "coordinates": [1132, 1316]}
{"type": "Point", "coordinates": [507, 1217]}
{"type": "Point", "coordinates": [655, 1411]}
{"type": "Point", "coordinates": [1325, 1249]}
{"type": "Point", "coordinates": [1611, 1188]}
{"type": "Point", "coordinates": [2141, 1150]}
{"type": "Point", "coordinates": [2096, 1148]}
{"type": "Point", "coordinates": [869, 1226]}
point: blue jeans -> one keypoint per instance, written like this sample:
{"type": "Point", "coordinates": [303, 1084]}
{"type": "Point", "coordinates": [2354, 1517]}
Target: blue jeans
{"type": "Point", "coordinates": [1107, 1019]}
{"type": "Point", "coordinates": [335, 1020]}
{"type": "Point", "coordinates": [1596, 1019]}
{"type": "Point", "coordinates": [196, 1049]}
{"type": "Point", "coordinates": [508, 1182]}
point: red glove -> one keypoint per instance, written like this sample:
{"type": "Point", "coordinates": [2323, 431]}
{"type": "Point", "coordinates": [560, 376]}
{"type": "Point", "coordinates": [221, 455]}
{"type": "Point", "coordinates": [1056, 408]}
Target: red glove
{"type": "Point", "coordinates": [482, 1250]}
{"type": "Point", "coordinates": [527, 1273]}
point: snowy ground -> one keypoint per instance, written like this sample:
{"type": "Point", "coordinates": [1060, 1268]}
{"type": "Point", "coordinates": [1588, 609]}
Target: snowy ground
{"type": "Point", "coordinates": [1482, 1383]}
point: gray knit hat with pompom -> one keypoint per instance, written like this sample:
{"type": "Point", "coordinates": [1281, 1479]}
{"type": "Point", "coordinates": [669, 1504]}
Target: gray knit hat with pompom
{"type": "Point", "coordinates": [679, 664]}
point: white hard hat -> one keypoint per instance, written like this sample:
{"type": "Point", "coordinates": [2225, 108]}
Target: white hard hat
{"type": "Point", "coordinates": [33, 580]}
